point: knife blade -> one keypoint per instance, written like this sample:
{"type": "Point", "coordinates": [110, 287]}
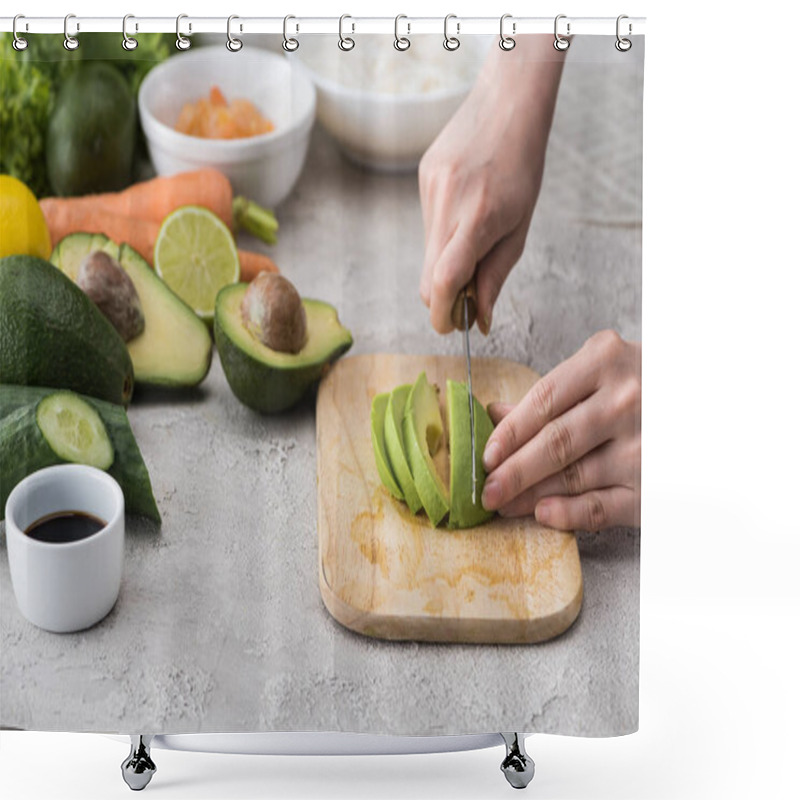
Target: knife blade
{"type": "Point", "coordinates": [464, 312]}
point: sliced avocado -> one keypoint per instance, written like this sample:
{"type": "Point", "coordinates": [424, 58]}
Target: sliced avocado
{"type": "Point", "coordinates": [395, 446]}
{"type": "Point", "coordinates": [377, 416]}
{"type": "Point", "coordinates": [463, 512]}
{"type": "Point", "coordinates": [423, 432]}
{"type": "Point", "coordinates": [267, 380]}
{"type": "Point", "coordinates": [175, 347]}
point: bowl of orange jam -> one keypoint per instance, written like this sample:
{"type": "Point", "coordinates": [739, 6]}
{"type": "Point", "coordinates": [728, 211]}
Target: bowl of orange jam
{"type": "Point", "coordinates": [248, 114]}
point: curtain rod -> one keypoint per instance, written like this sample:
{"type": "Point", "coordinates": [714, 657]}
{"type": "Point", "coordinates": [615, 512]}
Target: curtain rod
{"type": "Point", "coordinates": [299, 26]}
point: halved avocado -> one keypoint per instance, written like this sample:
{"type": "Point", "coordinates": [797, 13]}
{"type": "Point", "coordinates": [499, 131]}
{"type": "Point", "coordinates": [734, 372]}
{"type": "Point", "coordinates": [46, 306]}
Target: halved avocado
{"type": "Point", "coordinates": [377, 417]}
{"type": "Point", "coordinates": [175, 347]}
{"type": "Point", "coordinates": [423, 432]}
{"type": "Point", "coordinates": [463, 512]}
{"type": "Point", "coordinates": [396, 448]}
{"type": "Point", "coordinates": [267, 380]}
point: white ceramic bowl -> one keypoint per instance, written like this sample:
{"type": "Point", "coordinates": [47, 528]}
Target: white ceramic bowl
{"type": "Point", "coordinates": [383, 107]}
{"type": "Point", "coordinates": [66, 587]}
{"type": "Point", "coordinates": [263, 168]}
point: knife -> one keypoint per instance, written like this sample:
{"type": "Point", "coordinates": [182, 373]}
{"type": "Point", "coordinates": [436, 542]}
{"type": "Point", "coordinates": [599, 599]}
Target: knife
{"type": "Point", "coordinates": [465, 310]}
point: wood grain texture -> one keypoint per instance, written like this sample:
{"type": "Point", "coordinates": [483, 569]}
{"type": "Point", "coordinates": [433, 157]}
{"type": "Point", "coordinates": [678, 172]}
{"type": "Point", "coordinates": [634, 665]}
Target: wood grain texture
{"type": "Point", "coordinates": [386, 573]}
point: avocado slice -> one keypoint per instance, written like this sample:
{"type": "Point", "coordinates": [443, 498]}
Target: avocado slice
{"type": "Point", "coordinates": [396, 448]}
{"type": "Point", "coordinates": [175, 347]}
{"type": "Point", "coordinates": [423, 432]}
{"type": "Point", "coordinates": [267, 380]}
{"type": "Point", "coordinates": [377, 416]}
{"type": "Point", "coordinates": [463, 513]}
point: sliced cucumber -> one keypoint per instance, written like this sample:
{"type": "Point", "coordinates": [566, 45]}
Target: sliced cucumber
{"type": "Point", "coordinates": [74, 430]}
{"type": "Point", "coordinates": [24, 448]}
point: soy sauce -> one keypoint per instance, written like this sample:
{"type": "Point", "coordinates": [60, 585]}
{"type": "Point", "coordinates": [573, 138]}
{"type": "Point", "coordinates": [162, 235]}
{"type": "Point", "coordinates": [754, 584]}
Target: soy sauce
{"type": "Point", "coordinates": [65, 526]}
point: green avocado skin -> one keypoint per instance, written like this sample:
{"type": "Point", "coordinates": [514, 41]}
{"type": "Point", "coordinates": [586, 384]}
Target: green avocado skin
{"type": "Point", "coordinates": [91, 137]}
{"type": "Point", "coordinates": [23, 449]}
{"type": "Point", "coordinates": [51, 334]}
{"type": "Point", "coordinates": [463, 513]}
{"type": "Point", "coordinates": [265, 387]}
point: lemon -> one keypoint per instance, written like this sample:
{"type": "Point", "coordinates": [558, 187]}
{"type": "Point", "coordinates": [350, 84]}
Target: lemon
{"type": "Point", "coordinates": [23, 230]}
{"type": "Point", "coordinates": [195, 255]}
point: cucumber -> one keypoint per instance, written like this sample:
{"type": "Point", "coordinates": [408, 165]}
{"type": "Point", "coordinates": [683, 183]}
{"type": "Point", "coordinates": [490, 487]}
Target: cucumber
{"type": "Point", "coordinates": [52, 334]}
{"type": "Point", "coordinates": [74, 430]}
{"type": "Point", "coordinates": [25, 448]}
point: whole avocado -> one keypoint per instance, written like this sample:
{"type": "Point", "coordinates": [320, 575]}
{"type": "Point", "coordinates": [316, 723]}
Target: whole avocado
{"type": "Point", "coordinates": [91, 136]}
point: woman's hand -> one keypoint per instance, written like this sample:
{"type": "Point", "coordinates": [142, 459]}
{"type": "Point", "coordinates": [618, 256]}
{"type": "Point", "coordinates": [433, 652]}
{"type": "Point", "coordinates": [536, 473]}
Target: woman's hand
{"type": "Point", "coordinates": [570, 451]}
{"type": "Point", "coordinates": [480, 179]}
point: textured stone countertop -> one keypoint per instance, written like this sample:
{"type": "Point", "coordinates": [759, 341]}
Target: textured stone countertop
{"type": "Point", "coordinates": [220, 626]}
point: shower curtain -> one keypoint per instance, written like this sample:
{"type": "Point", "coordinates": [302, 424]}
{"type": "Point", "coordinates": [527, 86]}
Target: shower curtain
{"type": "Point", "coordinates": [260, 328]}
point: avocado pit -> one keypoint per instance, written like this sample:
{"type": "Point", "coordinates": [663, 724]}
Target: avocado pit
{"type": "Point", "coordinates": [110, 288]}
{"type": "Point", "coordinates": [273, 312]}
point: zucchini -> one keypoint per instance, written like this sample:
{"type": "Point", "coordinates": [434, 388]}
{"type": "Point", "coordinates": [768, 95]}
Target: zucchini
{"type": "Point", "coordinates": [24, 447]}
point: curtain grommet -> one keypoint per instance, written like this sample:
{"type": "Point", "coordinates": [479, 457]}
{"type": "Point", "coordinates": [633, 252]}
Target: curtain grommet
{"type": "Point", "coordinates": [346, 43]}
{"type": "Point", "coordinates": [182, 42]}
{"type": "Point", "coordinates": [290, 44]}
{"type": "Point", "coordinates": [622, 44]}
{"type": "Point", "coordinates": [559, 42]}
{"type": "Point", "coordinates": [18, 42]}
{"type": "Point", "coordinates": [70, 42]}
{"type": "Point", "coordinates": [128, 42]}
{"type": "Point", "coordinates": [233, 44]}
{"type": "Point", "coordinates": [507, 42]}
{"type": "Point", "coordinates": [451, 43]}
{"type": "Point", "coordinates": [401, 43]}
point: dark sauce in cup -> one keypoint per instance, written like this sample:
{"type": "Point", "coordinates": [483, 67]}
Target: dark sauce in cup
{"type": "Point", "coordinates": [64, 527]}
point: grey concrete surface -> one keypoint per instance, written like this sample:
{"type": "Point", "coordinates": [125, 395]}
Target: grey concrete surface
{"type": "Point", "coordinates": [220, 626]}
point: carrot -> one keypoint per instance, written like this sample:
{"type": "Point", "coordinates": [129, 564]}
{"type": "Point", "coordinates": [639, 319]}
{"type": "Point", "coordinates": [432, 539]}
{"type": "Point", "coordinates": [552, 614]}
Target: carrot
{"type": "Point", "coordinates": [252, 263]}
{"type": "Point", "coordinates": [140, 234]}
{"type": "Point", "coordinates": [153, 200]}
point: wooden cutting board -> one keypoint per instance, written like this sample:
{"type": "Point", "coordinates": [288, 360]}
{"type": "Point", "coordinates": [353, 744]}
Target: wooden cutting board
{"type": "Point", "coordinates": [384, 572]}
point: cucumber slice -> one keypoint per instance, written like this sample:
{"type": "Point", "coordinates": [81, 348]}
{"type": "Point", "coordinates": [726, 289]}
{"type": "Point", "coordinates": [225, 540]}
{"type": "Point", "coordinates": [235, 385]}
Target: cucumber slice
{"type": "Point", "coordinates": [74, 430]}
{"type": "Point", "coordinates": [24, 449]}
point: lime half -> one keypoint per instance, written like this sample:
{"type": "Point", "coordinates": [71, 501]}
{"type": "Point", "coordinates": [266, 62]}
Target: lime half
{"type": "Point", "coordinates": [195, 255]}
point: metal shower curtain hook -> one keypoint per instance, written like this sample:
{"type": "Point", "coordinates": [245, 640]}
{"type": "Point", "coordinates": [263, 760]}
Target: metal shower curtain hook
{"type": "Point", "coordinates": [401, 43]}
{"type": "Point", "coordinates": [507, 42]}
{"type": "Point", "coordinates": [233, 44]}
{"type": "Point", "coordinates": [346, 43]}
{"type": "Point", "coordinates": [19, 44]}
{"type": "Point", "coordinates": [290, 44]}
{"type": "Point", "coordinates": [560, 43]}
{"type": "Point", "coordinates": [623, 45]}
{"type": "Point", "coordinates": [182, 42]}
{"type": "Point", "coordinates": [70, 42]}
{"type": "Point", "coordinates": [451, 43]}
{"type": "Point", "coordinates": [128, 43]}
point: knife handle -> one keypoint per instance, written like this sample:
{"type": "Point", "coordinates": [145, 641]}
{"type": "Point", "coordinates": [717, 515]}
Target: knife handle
{"type": "Point", "coordinates": [457, 314]}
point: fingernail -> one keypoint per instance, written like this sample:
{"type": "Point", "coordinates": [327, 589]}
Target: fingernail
{"type": "Point", "coordinates": [491, 456]}
{"type": "Point", "coordinates": [490, 498]}
{"type": "Point", "coordinates": [543, 512]}
{"type": "Point", "coordinates": [487, 323]}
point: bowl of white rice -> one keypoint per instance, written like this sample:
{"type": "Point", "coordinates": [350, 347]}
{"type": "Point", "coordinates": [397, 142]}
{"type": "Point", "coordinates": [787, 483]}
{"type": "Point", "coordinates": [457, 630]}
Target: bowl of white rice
{"type": "Point", "coordinates": [385, 107]}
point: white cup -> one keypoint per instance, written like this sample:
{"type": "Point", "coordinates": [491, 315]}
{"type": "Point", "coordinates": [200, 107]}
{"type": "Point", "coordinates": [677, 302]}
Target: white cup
{"type": "Point", "coordinates": [65, 587]}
